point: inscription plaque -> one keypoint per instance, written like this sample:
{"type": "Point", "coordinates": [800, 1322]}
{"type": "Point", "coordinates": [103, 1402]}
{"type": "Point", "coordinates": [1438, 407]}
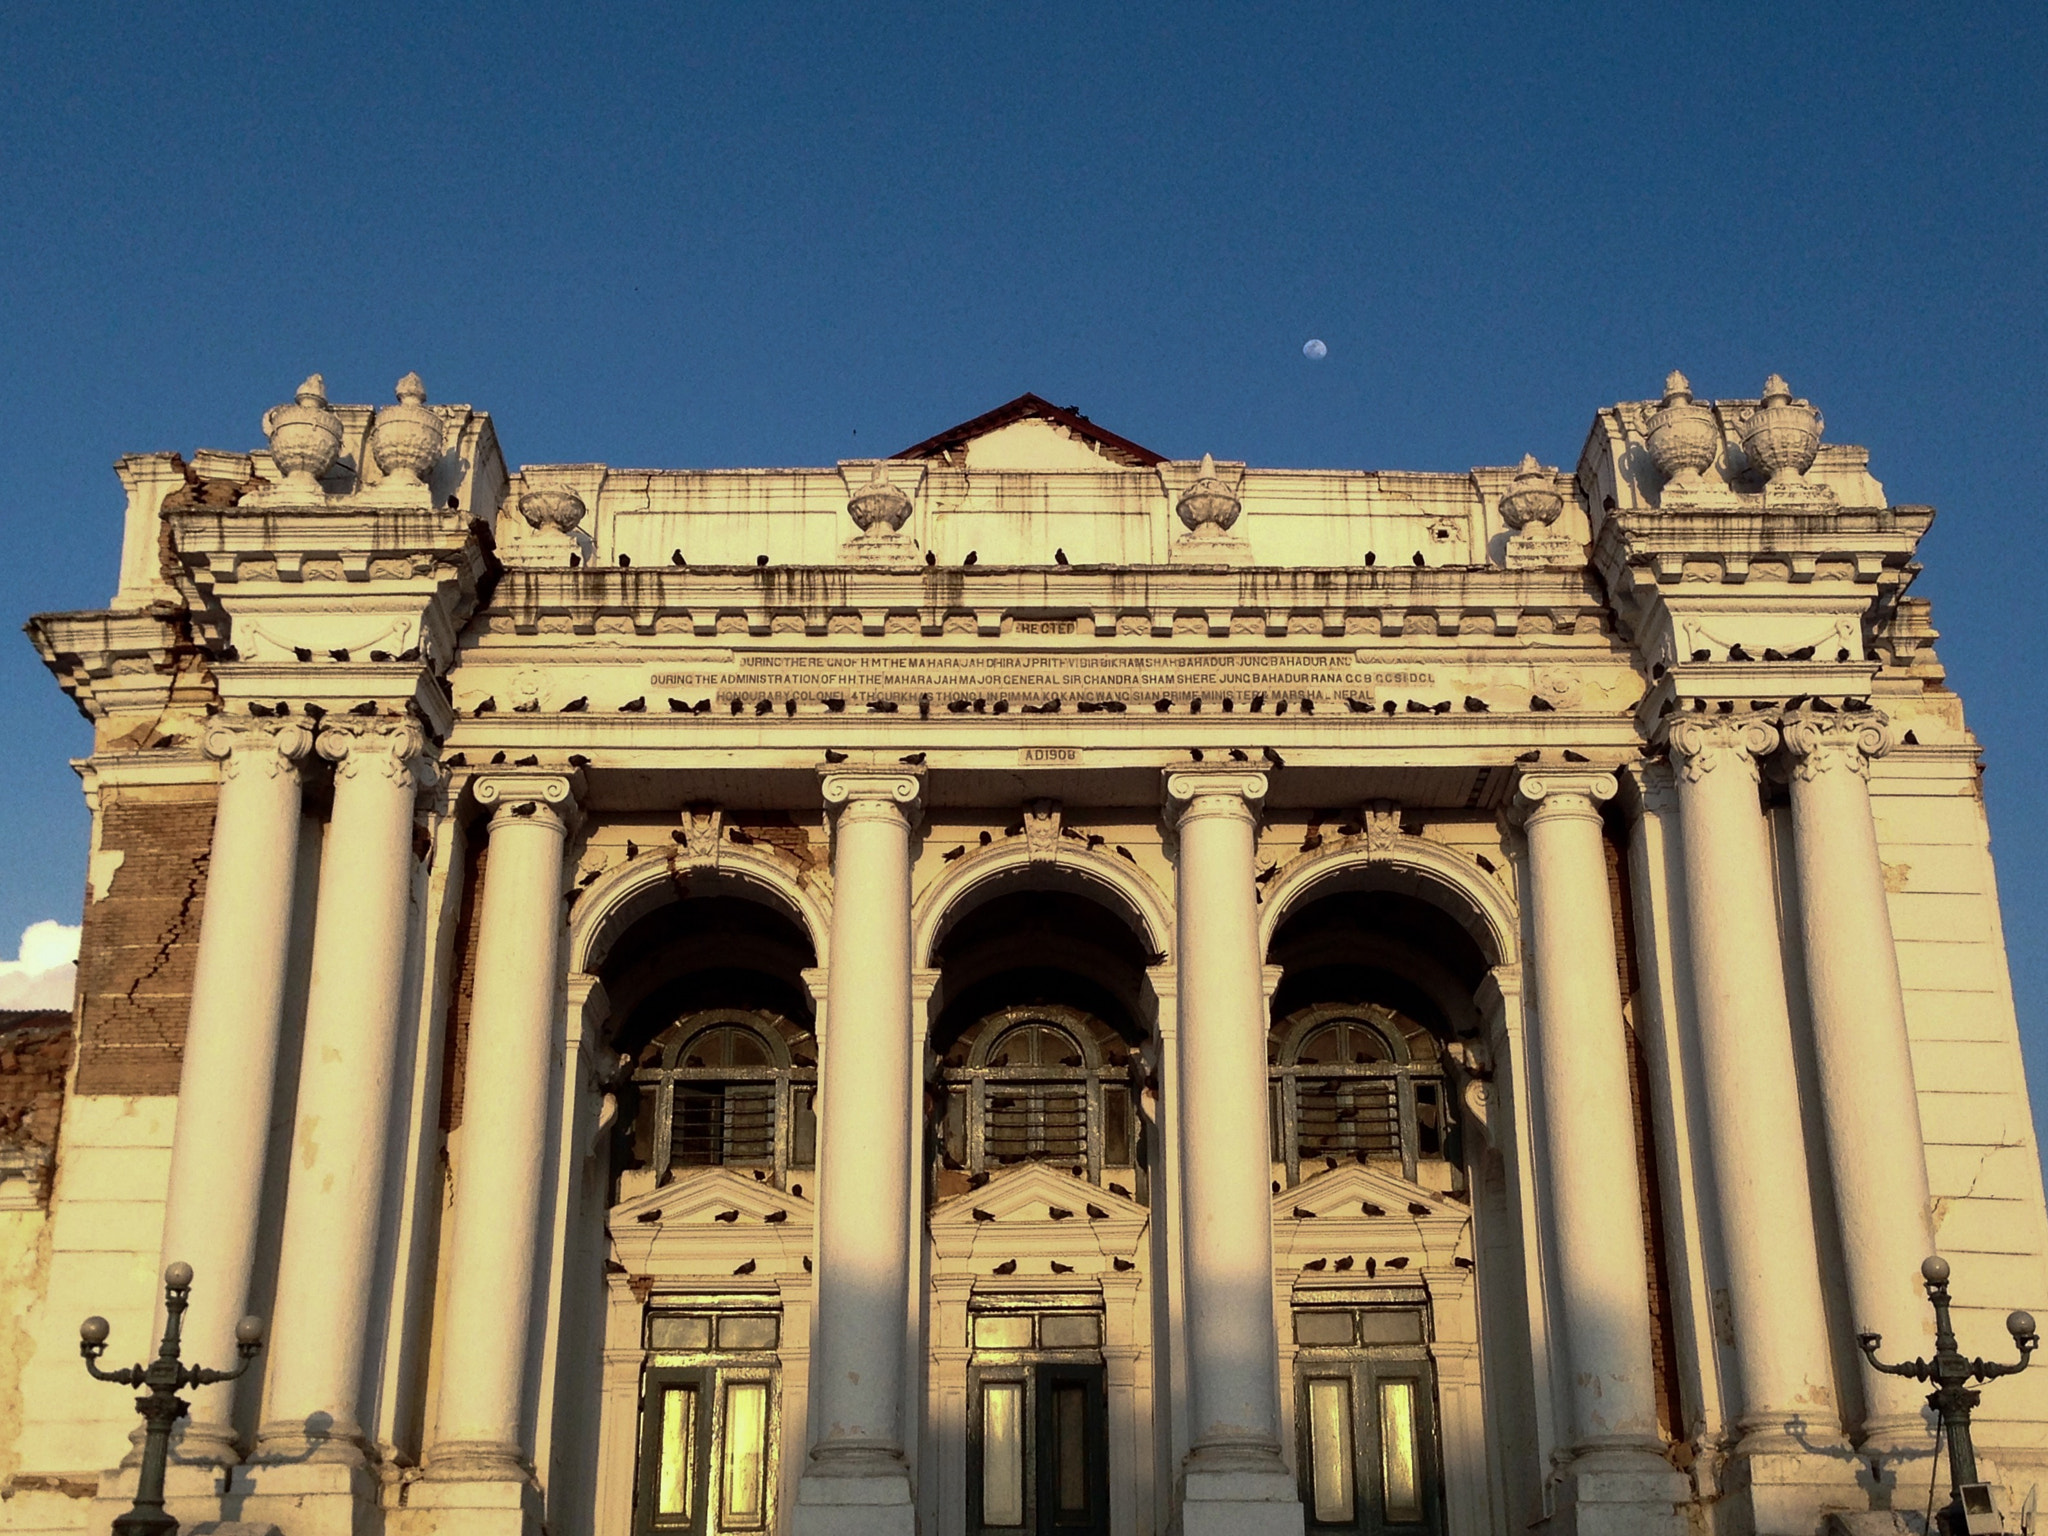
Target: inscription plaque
{"type": "Point", "coordinates": [942, 677]}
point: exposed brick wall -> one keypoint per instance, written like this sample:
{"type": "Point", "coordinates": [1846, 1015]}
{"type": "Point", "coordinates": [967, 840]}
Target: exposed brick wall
{"type": "Point", "coordinates": [455, 1053]}
{"type": "Point", "coordinates": [136, 955]}
{"type": "Point", "coordinates": [35, 1054]}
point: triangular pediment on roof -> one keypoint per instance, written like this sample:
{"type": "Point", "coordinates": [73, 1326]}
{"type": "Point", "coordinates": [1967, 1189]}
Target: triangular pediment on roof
{"type": "Point", "coordinates": [1030, 433]}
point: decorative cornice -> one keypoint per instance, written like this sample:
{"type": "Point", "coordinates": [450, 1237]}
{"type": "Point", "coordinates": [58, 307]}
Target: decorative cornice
{"type": "Point", "coordinates": [120, 663]}
{"type": "Point", "coordinates": [1337, 601]}
{"type": "Point", "coordinates": [266, 748]}
{"type": "Point", "coordinates": [1818, 742]}
{"type": "Point", "coordinates": [393, 747]}
{"type": "Point", "coordinates": [1699, 745]}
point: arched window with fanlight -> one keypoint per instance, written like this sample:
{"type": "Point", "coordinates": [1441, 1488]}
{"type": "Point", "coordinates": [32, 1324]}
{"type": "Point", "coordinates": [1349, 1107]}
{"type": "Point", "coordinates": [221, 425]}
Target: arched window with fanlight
{"type": "Point", "coordinates": [1047, 1084]}
{"type": "Point", "coordinates": [1355, 1083]}
{"type": "Point", "coordinates": [728, 1088]}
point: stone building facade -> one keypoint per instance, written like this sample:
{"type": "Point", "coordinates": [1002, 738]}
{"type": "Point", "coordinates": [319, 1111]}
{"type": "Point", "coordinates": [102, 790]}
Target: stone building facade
{"type": "Point", "coordinates": [1024, 986]}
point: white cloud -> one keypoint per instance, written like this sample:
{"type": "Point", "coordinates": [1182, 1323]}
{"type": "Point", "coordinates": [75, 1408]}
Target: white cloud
{"type": "Point", "coordinates": [46, 970]}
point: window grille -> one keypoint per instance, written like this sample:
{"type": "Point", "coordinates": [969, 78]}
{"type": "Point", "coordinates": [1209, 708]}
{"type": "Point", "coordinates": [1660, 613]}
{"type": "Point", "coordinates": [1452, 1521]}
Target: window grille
{"type": "Point", "coordinates": [728, 1088]}
{"type": "Point", "coordinates": [1354, 1084]}
{"type": "Point", "coordinates": [1049, 1085]}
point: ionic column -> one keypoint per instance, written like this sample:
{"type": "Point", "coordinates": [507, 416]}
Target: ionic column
{"type": "Point", "coordinates": [346, 1082]}
{"type": "Point", "coordinates": [1617, 1477]}
{"type": "Point", "coordinates": [1784, 1392]}
{"type": "Point", "coordinates": [1234, 1479]}
{"type": "Point", "coordinates": [856, 1479]}
{"type": "Point", "coordinates": [229, 1076]}
{"type": "Point", "coordinates": [506, 1128]}
{"type": "Point", "coordinates": [1872, 1110]}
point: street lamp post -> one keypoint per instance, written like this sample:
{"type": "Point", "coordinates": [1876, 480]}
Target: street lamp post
{"type": "Point", "coordinates": [1971, 1511]}
{"type": "Point", "coordinates": [161, 1407]}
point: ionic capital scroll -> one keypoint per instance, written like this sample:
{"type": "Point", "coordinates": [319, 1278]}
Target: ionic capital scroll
{"type": "Point", "coordinates": [1222, 790]}
{"type": "Point", "coordinates": [548, 794]}
{"type": "Point", "coordinates": [270, 748]}
{"type": "Point", "coordinates": [1550, 793]}
{"type": "Point", "coordinates": [1817, 742]}
{"type": "Point", "coordinates": [861, 794]}
{"type": "Point", "coordinates": [1700, 744]}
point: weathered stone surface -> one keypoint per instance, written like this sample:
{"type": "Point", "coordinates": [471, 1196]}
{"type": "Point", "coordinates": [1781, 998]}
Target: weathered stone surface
{"type": "Point", "coordinates": [642, 812]}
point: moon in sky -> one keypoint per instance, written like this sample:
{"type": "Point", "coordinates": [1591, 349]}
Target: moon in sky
{"type": "Point", "coordinates": [1314, 350]}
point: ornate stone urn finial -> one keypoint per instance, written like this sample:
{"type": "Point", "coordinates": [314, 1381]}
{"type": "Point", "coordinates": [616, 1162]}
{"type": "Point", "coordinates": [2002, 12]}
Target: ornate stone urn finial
{"type": "Point", "coordinates": [305, 436]}
{"type": "Point", "coordinates": [1684, 437]}
{"type": "Point", "coordinates": [1209, 505]}
{"type": "Point", "coordinates": [1782, 435]}
{"type": "Point", "coordinates": [879, 502]}
{"type": "Point", "coordinates": [406, 441]}
{"type": "Point", "coordinates": [1533, 498]}
{"type": "Point", "coordinates": [551, 506]}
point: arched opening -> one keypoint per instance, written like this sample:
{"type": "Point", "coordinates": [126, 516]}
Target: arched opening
{"type": "Point", "coordinates": [1369, 1023]}
{"type": "Point", "coordinates": [717, 1026]}
{"type": "Point", "coordinates": [1372, 1033]}
{"type": "Point", "coordinates": [1041, 1158]}
{"type": "Point", "coordinates": [708, 1215]}
{"type": "Point", "coordinates": [1039, 1030]}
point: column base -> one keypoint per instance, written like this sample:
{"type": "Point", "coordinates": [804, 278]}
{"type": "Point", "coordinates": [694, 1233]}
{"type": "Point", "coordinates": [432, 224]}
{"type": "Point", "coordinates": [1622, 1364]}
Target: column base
{"type": "Point", "coordinates": [1867, 1522]}
{"type": "Point", "coordinates": [192, 1495]}
{"type": "Point", "coordinates": [304, 1442]}
{"type": "Point", "coordinates": [1239, 1496]}
{"type": "Point", "coordinates": [1894, 1470]}
{"type": "Point", "coordinates": [486, 1508]}
{"type": "Point", "coordinates": [475, 1461]}
{"type": "Point", "coordinates": [864, 1498]}
{"type": "Point", "coordinates": [1784, 1489]}
{"type": "Point", "coordinates": [311, 1498]}
{"type": "Point", "coordinates": [1621, 1491]}
{"type": "Point", "coordinates": [212, 1445]}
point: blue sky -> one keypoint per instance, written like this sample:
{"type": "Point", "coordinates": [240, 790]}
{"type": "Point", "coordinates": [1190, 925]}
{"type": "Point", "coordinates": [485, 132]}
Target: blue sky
{"type": "Point", "coordinates": [721, 235]}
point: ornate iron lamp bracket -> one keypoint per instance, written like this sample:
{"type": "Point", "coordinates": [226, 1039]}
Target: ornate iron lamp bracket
{"type": "Point", "coordinates": [160, 1406]}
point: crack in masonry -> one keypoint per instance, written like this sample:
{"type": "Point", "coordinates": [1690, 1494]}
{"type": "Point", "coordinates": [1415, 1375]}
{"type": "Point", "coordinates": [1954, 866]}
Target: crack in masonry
{"type": "Point", "coordinates": [1941, 1203]}
{"type": "Point", "coordinates": [173, 933]}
